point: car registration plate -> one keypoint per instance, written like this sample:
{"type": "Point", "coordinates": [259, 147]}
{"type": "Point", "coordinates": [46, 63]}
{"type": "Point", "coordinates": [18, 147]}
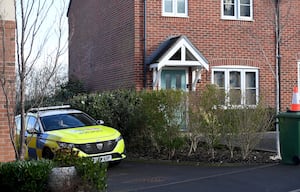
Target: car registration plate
{"type": "Point", "coordinates": [102, 158]}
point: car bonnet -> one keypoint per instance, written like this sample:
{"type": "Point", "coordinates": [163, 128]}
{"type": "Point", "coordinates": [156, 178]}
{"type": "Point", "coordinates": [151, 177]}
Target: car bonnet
{"type": "Point", "coordinates": [87, 134]}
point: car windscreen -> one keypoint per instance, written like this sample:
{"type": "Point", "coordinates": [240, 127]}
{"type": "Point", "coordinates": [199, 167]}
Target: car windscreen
{"type": "Point", "coordinates": [65, 121]}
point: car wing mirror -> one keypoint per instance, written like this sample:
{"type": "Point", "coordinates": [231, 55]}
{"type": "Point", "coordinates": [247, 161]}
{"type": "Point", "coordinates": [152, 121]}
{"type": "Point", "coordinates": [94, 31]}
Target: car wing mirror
{"type": "Point", "coordinates": [32, 131]}
{"type": "Point", "coordinates": [100, 122]}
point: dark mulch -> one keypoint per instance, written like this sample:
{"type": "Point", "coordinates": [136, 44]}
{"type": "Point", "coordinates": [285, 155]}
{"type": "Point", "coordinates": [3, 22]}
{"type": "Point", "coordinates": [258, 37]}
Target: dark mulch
{"type": "Point", "coordinates": [202, 156]}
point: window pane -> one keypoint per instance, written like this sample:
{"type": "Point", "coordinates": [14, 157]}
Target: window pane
{"type": "Point", "coordinates": [245, 8]}
{"type": "Point", "coordinates": [228, 2]}
{"type": "Point", "coordinates": [235, 79]}
{"type": "Point", "coordinates": [245, 2]}
{"type": "Point", "coordinates": [168, 6]}
{"type": "Point", "coordinates": [168, 81]}
{"type": "Point", "coordinates": [178, 81]}
{"type": "Point", "coordinates": [235, 87]}
{"type": "Point", "coordinates": [221, 96]}
{"type": "Point", "coordinates": [219, 79]}
{"type": "Point", "coordinates": [245, 11]}
{"type": "Point", "coordinates": [176, 56]}
{"type": "Point", "coordinates": [235, 96]}
{"type": "Point", "coordinates": [250, 80]}
{"type": "Point", "coordinates": [32, 124]}
{"type": "Point", "coordinates": [251, 97]}
{"type": "Point", "coordinates": [189, 56]}
{"type": "Point", "coordinates": [18, 124]}
{"type": "Point", "coordinates": [228, 7]}
{"type": "Point", "coordinates": [180, 6]}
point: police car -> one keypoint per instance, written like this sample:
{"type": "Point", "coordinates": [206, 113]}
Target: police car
{"type": "Point", "coordinates": [49, 129]}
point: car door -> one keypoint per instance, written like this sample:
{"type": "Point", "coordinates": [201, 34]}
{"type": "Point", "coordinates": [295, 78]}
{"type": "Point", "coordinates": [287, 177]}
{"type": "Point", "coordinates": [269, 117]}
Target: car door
{"type": "Point", "coordinates": [31, 137]}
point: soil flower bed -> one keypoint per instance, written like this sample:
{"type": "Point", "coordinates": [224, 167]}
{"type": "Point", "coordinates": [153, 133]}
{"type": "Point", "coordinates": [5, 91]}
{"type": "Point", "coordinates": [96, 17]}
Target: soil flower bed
{"type": "Point", "coordinates": [201, 156]}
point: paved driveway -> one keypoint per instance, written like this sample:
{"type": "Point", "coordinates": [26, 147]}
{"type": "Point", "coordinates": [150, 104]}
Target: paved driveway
{"type": "Point", "coordinates": [142, 176]}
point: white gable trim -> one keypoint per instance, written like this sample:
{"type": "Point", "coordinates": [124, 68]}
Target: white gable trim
{"type": "Point", "coordinates": [182, 44]}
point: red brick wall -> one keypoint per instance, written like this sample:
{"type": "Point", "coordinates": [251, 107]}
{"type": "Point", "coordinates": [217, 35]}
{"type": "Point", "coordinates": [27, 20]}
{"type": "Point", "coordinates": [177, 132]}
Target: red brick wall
{"type": "Point", "coordinates": [290, 49]}
{"type": "Point", "coordinates": [6, 149]}
{"type": "Point", "coordinates": [106, 41]}
{"type": "Point", "coordinates": [101, 47]}
{"type": "Point", "coordinates": [229, 42]}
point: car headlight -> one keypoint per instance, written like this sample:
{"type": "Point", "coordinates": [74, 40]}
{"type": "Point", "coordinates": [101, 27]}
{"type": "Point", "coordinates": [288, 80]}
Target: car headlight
{"type": "Point", "coordinates": [65, 145]}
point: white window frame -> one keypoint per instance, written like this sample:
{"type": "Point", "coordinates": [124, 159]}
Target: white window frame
{"type": "Point", "coordinates": [242, 70]}
{"type": "Point", "coordinates": [174, 8]}
{"type": "Point", "coordinates": [237, 11]}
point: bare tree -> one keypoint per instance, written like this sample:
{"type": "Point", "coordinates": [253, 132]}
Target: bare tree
{"type": "Point", "coordinates": [33, 33]}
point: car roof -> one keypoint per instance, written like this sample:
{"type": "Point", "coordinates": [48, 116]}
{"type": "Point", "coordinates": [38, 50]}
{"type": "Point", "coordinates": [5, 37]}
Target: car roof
{"type": "Point", "coordinates": [52, 110]}
{"type": "Point", "coordinates": [57, 112]}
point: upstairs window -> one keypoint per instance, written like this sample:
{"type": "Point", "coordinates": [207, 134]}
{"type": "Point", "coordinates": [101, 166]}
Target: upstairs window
{"type": "Point", "coordinates": [175, 8]}
{"type": "Point", "coordinates": [237, 9]}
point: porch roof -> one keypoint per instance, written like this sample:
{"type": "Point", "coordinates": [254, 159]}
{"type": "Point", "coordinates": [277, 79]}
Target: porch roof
{"type": "Point", "coordinates": [162, 55]}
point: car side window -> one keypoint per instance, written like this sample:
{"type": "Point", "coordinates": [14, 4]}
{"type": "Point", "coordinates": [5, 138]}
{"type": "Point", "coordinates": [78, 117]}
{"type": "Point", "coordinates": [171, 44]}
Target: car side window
{"type": "Point", "coordinates": [18, 125]}
{"type": "Point", "coordinates": [32, 124]}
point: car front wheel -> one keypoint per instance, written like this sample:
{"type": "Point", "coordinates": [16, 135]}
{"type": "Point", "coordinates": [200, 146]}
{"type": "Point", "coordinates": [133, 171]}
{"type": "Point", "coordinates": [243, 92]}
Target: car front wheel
{"type": "Point", "coordinates": [47, 154]}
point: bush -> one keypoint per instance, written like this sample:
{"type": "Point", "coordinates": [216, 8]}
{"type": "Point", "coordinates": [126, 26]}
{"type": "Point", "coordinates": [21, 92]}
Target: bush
{"type": "Point", "coordinates": [25, 176]}
{"type": "Point", "coordinates": [92, 174]}
{"type": "Point", "coordinates": [204, 118]}
{"type": "Point", "coordinates": [151, 119]}
{"type": "Point", "coordinates": [115, 108]}
{"type": "Point", "coordinates": [151, 122]}
{"type": "Point", "coordinates": [28, 176]}
{"type": "Point", "coordinates": [158, 120]}
{"type": "Point", "coordinates": [250, 122]}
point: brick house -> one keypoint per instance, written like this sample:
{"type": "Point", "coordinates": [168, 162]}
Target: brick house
{"type": "Point", "coordinates": [7, 64]}
{"type": "Point", "coordinates": [186, 44]}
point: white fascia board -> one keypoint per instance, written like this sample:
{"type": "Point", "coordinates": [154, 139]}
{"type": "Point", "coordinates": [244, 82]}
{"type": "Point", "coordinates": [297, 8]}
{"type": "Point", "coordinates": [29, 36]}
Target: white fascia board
{"type": "Point", "coordinates": [183, 64]}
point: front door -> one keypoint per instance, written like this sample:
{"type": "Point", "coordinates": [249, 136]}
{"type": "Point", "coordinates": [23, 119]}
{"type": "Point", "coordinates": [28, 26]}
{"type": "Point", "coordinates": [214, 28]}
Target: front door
{"type": "Point", "coordinates": [173, 79]}
{"type": "Point", "coordinates": [176, 79]}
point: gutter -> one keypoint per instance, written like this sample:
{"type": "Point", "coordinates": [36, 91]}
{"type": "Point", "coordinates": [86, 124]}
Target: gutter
{"type": "Point", "coordinates": [278, 56]}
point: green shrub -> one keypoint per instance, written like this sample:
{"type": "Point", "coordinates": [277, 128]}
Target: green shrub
{"type": "Point", "coordinates": [158, 121]}
{"type": "Point", "coordinates": [250, 122]}
{"type": "Point", "coordinates": [28, 176]}
{"type": "Point", "coordinates": [25, 175]}
{"type": "Point", "coordinates": [115, 108]}
{"type": "Point", "coordinates": [92, 174]}
{"type": "Point", "coordinates": [204, 118]}
{"type": "Point", "coordinates": [68, 90]}
{"type": "Point", "coordinates": [230, 128]}
{"type": "Point", "coordinates": [151, 122]}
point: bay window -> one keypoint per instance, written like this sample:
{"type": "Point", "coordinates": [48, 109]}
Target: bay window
{"type": "Point", "coordinates": [240, 84]}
